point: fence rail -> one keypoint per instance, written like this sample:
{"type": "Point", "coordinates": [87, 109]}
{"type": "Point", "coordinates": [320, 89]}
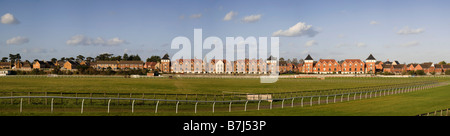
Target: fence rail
{"type": "Point", "coordinates": [442, 112]}
{"type": "Point", "coordinates": [280, 102]}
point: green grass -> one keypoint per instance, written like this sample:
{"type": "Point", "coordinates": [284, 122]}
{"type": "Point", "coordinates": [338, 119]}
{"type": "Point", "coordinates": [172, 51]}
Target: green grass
{"type": "Point", "coordinates": [407, 104]}
{"type": "Point", "coordinates": [187, 86]}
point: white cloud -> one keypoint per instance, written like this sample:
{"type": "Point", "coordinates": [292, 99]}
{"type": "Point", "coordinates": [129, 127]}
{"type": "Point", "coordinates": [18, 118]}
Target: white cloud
{"type": "Point", "coordinates": [407, 30]}
{"type": "Point", "coordinates": [310, 43]}
{"type": "Point", "coordinates": [34, 50]}
{"type": "Point", "coordinates": [251, 18]}
{"type": "Point", "coordinates": [299, 29]}
{"type": "Point", "coordinates": [410, 44]}
{"type": "Point", "coordinates": [374, 23]}
{"type": "Point", "coordinates": [357, 44]}
{"type": "Point", "coordinates": [19, 40]}
{"type": "Point", "coordinates": [194, 16]}
{"type": "Point", "coordinates": [229, 16]}
{"type": "Point", "coordinates": [9, 19]}
{"type": "Point", "coordinates": [83, 40]}
{"type": "Point", "coordinates": [341, 35]}
{"type": "Point", "coordinates": [360, 44]}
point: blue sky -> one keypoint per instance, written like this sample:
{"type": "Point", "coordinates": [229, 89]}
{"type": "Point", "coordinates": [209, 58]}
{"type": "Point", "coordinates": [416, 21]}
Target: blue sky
{"type": "Point", "coordinates": [407, 31]}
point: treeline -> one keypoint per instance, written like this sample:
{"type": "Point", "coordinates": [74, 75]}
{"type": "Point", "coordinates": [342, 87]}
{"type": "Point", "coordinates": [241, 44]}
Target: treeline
{"type": "Point", "coordinates": [83, 70]}
{"type": "Point", "coordinates": [110, 57]}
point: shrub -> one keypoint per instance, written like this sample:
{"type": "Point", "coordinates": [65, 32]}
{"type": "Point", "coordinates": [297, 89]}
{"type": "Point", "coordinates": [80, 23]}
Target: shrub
{"type": "Point", "coordinates": [420, 72]}
{"type": "Point", "coordinates": [447, 72]}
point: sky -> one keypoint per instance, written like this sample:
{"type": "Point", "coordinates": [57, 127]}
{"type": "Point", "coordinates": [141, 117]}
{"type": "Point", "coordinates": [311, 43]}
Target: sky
{"type": "Point", "coordinates": [404, 30]}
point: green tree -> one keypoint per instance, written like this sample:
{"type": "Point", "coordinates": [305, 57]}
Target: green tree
{"type": "Point", "coordinates": [4, 59]}
{"type": "Point", "coordinates": [420, 72]}
{"type": "Point", "coordinates": [54, 60]}
{"type": "Point", "coordinates": [411, 72]}
{"type": "Point", "coordinates": [12, 58]}
{"type": "Point", "coordinates": [125, 56]}
{"type": "Point", "coordinates": [154, 59]}
{"type": "Point", "coordinates": [442, 63]}
{"type": "Point", "coordinates": [137, 58]}
{"type": "Point", "coordinates": [80, 58]}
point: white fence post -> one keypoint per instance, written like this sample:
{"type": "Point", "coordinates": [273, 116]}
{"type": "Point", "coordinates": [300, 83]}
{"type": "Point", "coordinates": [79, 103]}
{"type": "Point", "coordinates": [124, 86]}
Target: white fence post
{"type": "Point", "coordinates": [21, 99]}
{"type": "Point", "coordinates": [245, 108]}
{"type": "Point", "coordinates": [282, 104]}
{"type": "Point", "coordinates": [52, 105]}
{"type": "Point", "coordinates": [310, 102]}
{"type": "Point", "coordinates": [271, 104]}
{"type": "Point", "coordinates": [342, 97]}
{"type": "Point", "coordinates": [302, 102]}
{"type": "Point", "coordinates": [327, 99]}
{"type": "Point", "coordinates": [292, 103]}
{"type": "Point", "coordinates": [318, 100]}
{"type": "Point", "coordinates": [109, 102]}
{"type": "Point", "coordinates": [213, 106]}
{"type": "Point", "coordinates": [360, 95]}
{"type": "Point", "coordinates": [334, 98]}
{"type": "Point", "coordinates": [176, 107]}
{"type": "Point", "coordinates": [229, 108]}
{"type": "Point", "coordinates": [259, 104]}
{"type": "Point", "coordinates": [156, 108]}
{"type": "Point", "coordinates": [132, 107]}
{"type": "Point", "coordinates": [354, 96]}
{"type": "Point", "coordinates": [82, 104]}
{"type": "Point", "coordinates": [348, 97]}
{"type": "Point", "coordinates": [196, 107]}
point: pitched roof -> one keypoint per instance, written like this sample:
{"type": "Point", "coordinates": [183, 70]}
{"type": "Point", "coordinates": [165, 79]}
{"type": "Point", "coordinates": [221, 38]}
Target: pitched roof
{"type": "Point", "coordinates": [106, 62]}
{"type": "Point", "coordinates": [437, 65]}
{"type": "Point", "coordinates": [398, 66]}
{"type": "Point", "coordinates": [5, 64]}
{"type": "Point", "coordinates": [327, 60]}
{"type": "Point", "coordinates": [413, 64]}
{"type": "Point", "coordinates": [426, 65]}
{"type": "Point", "coordinates": [371, 57]}
{"type": "Point", "coordinates": [131, 62]}
{"type": "Point", "coordinates": [308, 57]}
{"type": "Point", "coordinates": [352, 60]}
{"type": "Point", "coordinates": [165, 57]}
{"type": "Point", "coordinates": [386, 65]}
{"type": "Point", "coordinates": [73, 63]}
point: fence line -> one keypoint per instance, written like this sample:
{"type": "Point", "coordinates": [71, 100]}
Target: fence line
{"type": "Point", "coordinates": [271, 100]}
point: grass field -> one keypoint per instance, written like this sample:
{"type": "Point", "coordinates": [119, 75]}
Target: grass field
{"type": "Point", "coordinates": [407, 104]}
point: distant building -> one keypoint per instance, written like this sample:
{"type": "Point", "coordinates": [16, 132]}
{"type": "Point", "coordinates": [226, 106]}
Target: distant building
{"type": "Point", "coordinates": [5, 65]}
{"type": "Point", "coordinates": [131, 65]}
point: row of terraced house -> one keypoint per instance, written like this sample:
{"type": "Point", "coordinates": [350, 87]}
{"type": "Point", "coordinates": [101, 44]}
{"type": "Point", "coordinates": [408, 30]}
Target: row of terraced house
{"type": "Point", "coordinates": [245, 66]}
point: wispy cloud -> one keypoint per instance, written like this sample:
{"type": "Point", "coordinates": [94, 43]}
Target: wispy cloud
{"type": "Point", "coordinates": [195, 16]}
{"type": "Point", "coordinates": [410, 44]}
{"type": "Point", "coordinates": [8, 18]}
{"type": "Point", "coordinates": [374, 23]}
{"type": "Point", "coordinates": [229, 16]}
{"type": "Point", "coordinates": [251, 18]}
{"type": "Point", "coordinates": [406, 30]}
{"type": "Point", "coordinates": [310, 43]}
{"type": "Point", "coordinates": [84, 40]}
{"type": "Point", "coordinates": [299, 29]}
{"type": "Point", "coordinates": [19, 40]}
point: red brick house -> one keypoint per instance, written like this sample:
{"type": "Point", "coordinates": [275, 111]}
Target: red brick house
{"type": "Point", "coordinates": [326, 66]}
{"type": "Point", "coordinates": [370, 64]}
{"type": "Point", "coordinates": [308, 65]}
{"type": "Point", "coordinates": [398, 69]}
{"type": "Point", "coordinates": [5, 65]}
{"type": "Point", "coordinates": [352, 66]}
